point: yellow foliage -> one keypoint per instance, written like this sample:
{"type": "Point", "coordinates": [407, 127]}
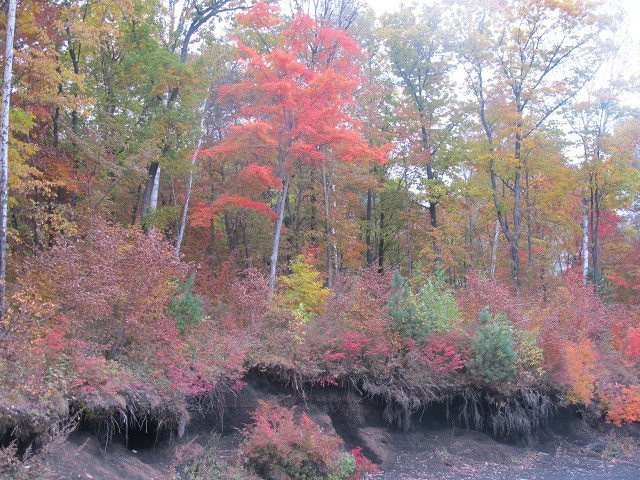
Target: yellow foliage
{"type": "Point", "coordinates": [304, 292]}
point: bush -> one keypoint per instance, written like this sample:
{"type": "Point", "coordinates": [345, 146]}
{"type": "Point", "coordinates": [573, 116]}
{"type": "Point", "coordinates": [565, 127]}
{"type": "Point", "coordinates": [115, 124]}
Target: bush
{"type": "Point", "coordinates": [624, 405]}
{"type": "Point", "coordinates": [442, 354]}
{"type": "Point", "coordinates": [492, 355]}
{"type": "Point", "coordinates": [186, 307]}
{"type": "Point", "coordinates": [304, 293]}
{"type": "Point", "coordinates": [433, 309]}
{"type": "Point", "coordinates": [278, 444]}
{"type": "Point", "coordinates": [530, 355]}
{"type": "Point", "coordinates": [479, 292]}
{"type": "Point", "coordinates": [194, 464]}
{"type": "Point", "coordinates": [353, 335]}
{"type": "Point", "coordinates": [98, 321]}
{"type": "Point", "coordinates": [437, 309]}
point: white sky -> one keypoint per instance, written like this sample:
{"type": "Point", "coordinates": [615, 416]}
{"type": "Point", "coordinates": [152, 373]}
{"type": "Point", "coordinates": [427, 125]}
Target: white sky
{"type": "Point", "coordinates": [630, 28]}
{"type": "Point", "coordinates": [628, 59]}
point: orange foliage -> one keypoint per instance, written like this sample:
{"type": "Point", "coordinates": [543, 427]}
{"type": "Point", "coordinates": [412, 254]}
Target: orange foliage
{"type": "Point", "coordinates": [580, 362]}
{"type": "Point", "coordinates": [624, 405]}
{"type": "Point", "coordinates": [203, 212]}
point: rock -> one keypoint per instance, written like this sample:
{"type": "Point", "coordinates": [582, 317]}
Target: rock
{"type": "Point", "coordinates": [321, 418]}
{"type": "Point", "coordinates": [276, 473]}
{"type": "Point", "coordinates": [375, 442]}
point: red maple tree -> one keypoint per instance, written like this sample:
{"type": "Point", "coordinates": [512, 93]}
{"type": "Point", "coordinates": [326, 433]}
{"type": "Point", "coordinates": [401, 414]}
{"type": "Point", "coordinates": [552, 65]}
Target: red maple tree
{"type": "Point", "coordinates": [293, 100]}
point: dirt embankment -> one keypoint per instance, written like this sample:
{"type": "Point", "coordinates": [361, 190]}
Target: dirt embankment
{"type": "Point", "coordinates": [436, 447]}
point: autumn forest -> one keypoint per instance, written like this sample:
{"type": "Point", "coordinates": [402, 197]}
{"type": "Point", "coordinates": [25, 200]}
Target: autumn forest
{"type": "Point", "coordinates": [438, 204]}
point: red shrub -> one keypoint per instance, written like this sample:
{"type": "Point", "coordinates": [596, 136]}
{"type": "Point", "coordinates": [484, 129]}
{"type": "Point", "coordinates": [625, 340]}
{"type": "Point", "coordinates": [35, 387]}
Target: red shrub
{"type": "Point", "coordinates": [480, 292]}
{"type": "Point", "coordinates": [624, 405]}
{"type": "Point", "coordinates": [91, 321]}
{"type": "Point", "coordinates": [300, 449]}
{"type": "Point", "coordinates": [353, 333]}
{"type": "Point", "coordinates": [248, 298]}
{"type": "Point", "coordinates": [633, 344]}
{"type": "Point", "coordinates": [442, 355]}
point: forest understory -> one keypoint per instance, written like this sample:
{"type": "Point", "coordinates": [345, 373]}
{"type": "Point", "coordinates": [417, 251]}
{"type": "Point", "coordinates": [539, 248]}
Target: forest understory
{"type": "Point", "coordinates": [319, 239]}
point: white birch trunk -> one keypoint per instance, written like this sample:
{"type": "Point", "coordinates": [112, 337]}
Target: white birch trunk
{"type": "Point", "coordinates": [185, 208]}
{"type": "Point", "coordinates": [282, 200]}
{"type": "Point", "coordinates": [4, 148]}
{"type": "Point", "coordinates": [585, 241]}
{"type": "Point", "coordinates": [327, 228]}
{"type": "Point", "coordinates": [153, 198]}
{"type": "Point", "coordinates": [336, 263]}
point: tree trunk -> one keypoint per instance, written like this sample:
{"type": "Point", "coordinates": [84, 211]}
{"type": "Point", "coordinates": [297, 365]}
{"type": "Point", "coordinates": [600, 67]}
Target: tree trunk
{"type": "Point", "coordinates": [368, 228]}
{"type": "Point", "coordinates": [185, 208]}
{"type": "Point", "coordinates": [494, 250]}
{"type": "Point", "coordinates": [585, 241]}
{"type": "Point", "coordinates": [597, 274]}
{"type": "Point", "coordinates": [381, 245]}
{"type": "Point", "coordinates": [4, 151]}
{"type": "Point", "coordinates": [515, 236]}
{"type": "Point", "coordinates": [327, 226]}
{"type": "Point", "coordinates": [430, 174]}
{"type": "Point", "coordinates": [282, 200]}
{"type": "Point", "coordinates": [529, 219]}
{"type": "Point", "coordinates": [150, 202]}
{"type": "Point", "coordinates": [409, 224]}
{"type": "Point", "coordinates": [336, 262]}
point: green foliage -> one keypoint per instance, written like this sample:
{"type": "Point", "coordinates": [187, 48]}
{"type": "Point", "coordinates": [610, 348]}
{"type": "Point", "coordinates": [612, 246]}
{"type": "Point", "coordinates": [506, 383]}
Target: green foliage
{"type": "Point", "coordinates": [485, 315]}
{"type": "Point", "coordinates": [432, 309]}
{"type": "Point", "coordinates": [402, 307]}
{"type": "Point", "coordinates": [186, 307]}
{"type": "Point", "coordinates": [437, 307]}
{"type": "Point", "coordinates": [209, 466]}
{"type": "Point", "coordinates": [493, 357]}
{"type": "Point", "coordinates": [304, 292]}
{"type": "Point", "coordinates": [530, 355]}
{"type": "Point", "coordinates": [345, 468]}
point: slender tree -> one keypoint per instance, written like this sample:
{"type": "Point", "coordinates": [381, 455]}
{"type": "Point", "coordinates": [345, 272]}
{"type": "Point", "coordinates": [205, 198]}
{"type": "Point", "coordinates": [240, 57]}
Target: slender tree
{"type": "Point", "coordinates": [512, 52]}
{"type": "Point", "coordinates": [4, 148]}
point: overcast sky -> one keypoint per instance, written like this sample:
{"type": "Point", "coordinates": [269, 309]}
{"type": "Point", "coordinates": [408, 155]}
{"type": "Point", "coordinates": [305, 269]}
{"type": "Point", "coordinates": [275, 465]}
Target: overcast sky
{"type": "Point", "coordinates": [630, 29]}
{"type": "Point", "coordinates": [628, 60]}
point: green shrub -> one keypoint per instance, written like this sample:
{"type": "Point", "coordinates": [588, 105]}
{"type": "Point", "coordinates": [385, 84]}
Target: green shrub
{"type": "Point", "coordinates": [186, 307]}
{"type": "Point", "coordinates": [492, 355]}
{"type": "Point", "coordinates": [436, 307]}
{"type": "Point", "coordinates": [432, 309]}
{"type": "Point", "coordinates": [207, 466]}
{"type": "Point", "coordinates": [530, 355]}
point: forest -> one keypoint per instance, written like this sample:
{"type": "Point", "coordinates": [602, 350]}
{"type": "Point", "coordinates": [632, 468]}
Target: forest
{"type": "Point", "coordinates": [435, 205]}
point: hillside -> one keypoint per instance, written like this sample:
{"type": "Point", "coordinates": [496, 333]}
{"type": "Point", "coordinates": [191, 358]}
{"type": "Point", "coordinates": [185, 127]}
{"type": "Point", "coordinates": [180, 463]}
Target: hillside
{"type": "Point", "coordinates": [309, 240]}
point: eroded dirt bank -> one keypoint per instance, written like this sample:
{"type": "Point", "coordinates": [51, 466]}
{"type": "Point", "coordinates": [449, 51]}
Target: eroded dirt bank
{"type": "Point", "coordinates": [436, 447]}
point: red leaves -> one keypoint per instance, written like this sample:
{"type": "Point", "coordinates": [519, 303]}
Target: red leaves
{"type": "Point", "coordinates": [203, 213]}
{"type": "Point", "coordinates": [355, 343]}
{"type": "Point", "coordinates": [633, 344]}
{"type": "Point", "coordinates": [264, 174]}
{"type": "Point", "coordinates": [479, 292]}
{"type": "Point", "coordinates": [277, 440]}
{"type": "Point", "coordinates": [88, 310]}
{"type": "Point", "coordinates": [240, 201]}
{"type": "Point", "coordinates": [261, 15]}
{"type": "Point", "coordinates": [364, 466]}
{"type": "Point", "coordinates": [441, 355]}
{"type": "Point", "coordinates": [291, 105]}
